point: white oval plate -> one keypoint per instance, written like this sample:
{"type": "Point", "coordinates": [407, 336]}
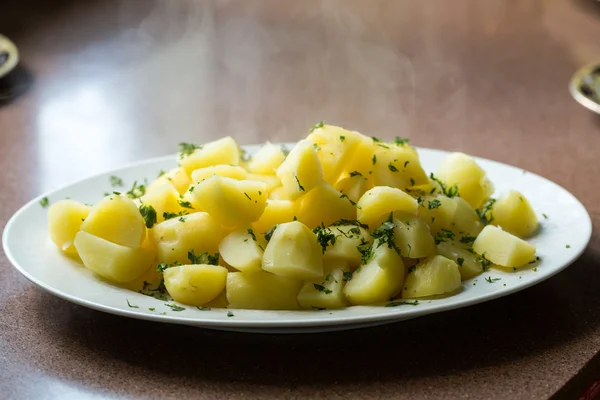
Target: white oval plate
{"type": "Point", "coordinates": [563, 237]}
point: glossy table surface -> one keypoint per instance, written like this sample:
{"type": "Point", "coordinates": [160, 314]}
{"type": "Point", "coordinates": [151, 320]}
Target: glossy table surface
{"type": "Point", "coordinates": [115, 81]}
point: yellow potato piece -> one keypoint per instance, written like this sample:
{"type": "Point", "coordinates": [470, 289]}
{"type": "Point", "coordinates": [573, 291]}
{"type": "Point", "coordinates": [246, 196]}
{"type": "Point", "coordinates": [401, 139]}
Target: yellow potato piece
{"type": "Point", "coordinates": [438, 212]}
{"type": "Point", "coordinates": [461, 170]}
{"type": "Point", "coordinates": [116, 219]}
{"type": "Point", "coordinates": [262, 291]}
{"type": "Point", "coordinates": [376, 204]}
{"type": "Point", "coordinates": [222, 151]}
{"type": "Point", "coordinates": [111, 261]}
{"type": "Point", "coordinates": [412, 236]}
{"type": "Point", "coordinates": [396, 166]}
{"type": "Point", "coordinates": [199, 232]}
{"type": "Point", "coordinates": [243, 249]}
{"type": "Point", "coordinates": [176, 177]}
{"type": "Point", "coordinates": [266, 160]}
{"type": "Point", "coordinates": [163, 199]}
{"type": "Point", "coordinates": [503, 248]}
{"type": "Point", "coordinates": [381, 278]}
{"type": "Point", "coordinates": [335, 147]}
{"type": "Point", "coordinates": [279, 193]}
{"type": "Point", "coordinates": [276, 212]}
{"type": "Point", "coordinates": [293, 252]}
{"type": "Point", "coordinates": [435, 275]}
{"type": "Point", "coordinates": [353, 186]}
{"type": "Point", "coordinates": [325, 205]}
{"type": "Point", "coordinates": [327, 291]}
{"type": "Point", "coordinates": [513, 213]}
{"type": "Point", "coordinates": [345, 248]}
{"type": "Point", "coordinates": [469, 264]}
{"type": "Point", "coordinates": [301, 171]}
{"type": "Point", "coordinates": [227, 171]}
{"type": "Point", "coordinates": [195, 284]}
{"type": "Point", "coordinates": [271, 181]}
{"type": "Point", "coordinates": [465, 219]}
{"type": "Point", "coordinates": [64, 221]}
{"type": "Point", "coordinates": [232, 202]}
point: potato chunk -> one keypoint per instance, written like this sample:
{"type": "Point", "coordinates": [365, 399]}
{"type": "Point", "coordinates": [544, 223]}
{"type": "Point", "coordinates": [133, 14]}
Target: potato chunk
{"type": "Point", "coordinates": [469, 264]}
{"type": "Point", "coordinates": [176, 177]}
{"type": "Point", "coordinates": [266, 160]}
{"type": "Point", "coordinates": [465, 219]}
{"type": "Point", "coordinates": [64, 221]}
{"type": "Point", "coordinates": [293, 252]}
{"type": "Point", "coordinates": [347, 242]}
{"type": "Point", "coordinates": [335, 147]}
{"type": "Point", "coordinates": [376, 204]}
{"type": "Point", "coordinates": [195, 284]}
{"type": "Point", "coordinates": [433, 276]}
{"type": "Point", "coordinates": [164, 199]}
{"type": "Point", "coordinates": [116, 219]}
{"type": "Point", "coordinates": [397, 166]}
{"type": "Point", "coordinates": [513, 213]}
{"type": "Point", "coordinates": [301, 171]}
{"type": "Point", "coordinates": [112, 261]}
{"type": "Point", "coordinates": [353, 186]}
{"type": "Point", "coordinates": [327, 291]}
{"type": "Point", "coordinates": [224, 170]}
{"type": "Point", "coordinates": [325, 205]}
{"type": "Point", "coordinates": [503, 248]}
{"type": "Point", "coordinates": [461, 170]}
{"type": "Point", "coordinates": [174, 237]}
{"type": "Point", "coordinates": [232, 202]}
{"type": "Point", "coordinates": [222, 151]}
{"type": "Point", "coordinates": [381, 278]}
{"type": "Point", "coordinates": [262, 291]}
{"type": "Point", "coordinates": [438, 212]}
{"type": "Point", "coordinates": [276, 212]}
{"type": "Point", "coordinates": [412, 236]}
{"type": "Point", "coordinates": [243, 250]}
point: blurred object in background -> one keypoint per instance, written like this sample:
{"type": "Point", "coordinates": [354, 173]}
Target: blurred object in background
{"type": "Point", "coordinates": [585, 87]}
{"type": "Point", "coordinates": [13, 79]}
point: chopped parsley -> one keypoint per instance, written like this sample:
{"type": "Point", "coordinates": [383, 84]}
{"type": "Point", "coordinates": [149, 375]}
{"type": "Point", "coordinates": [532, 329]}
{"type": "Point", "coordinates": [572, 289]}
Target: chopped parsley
{"type": "Point", "coordinates": [168, 215]}
{"type": "Point", "coordinates": [342, 138]}
{"type": "Point", "coordinates": [245, 156]}
{"type": "Point", "coordinates": [187, 148]}
{"type": "Point", "coordinates": [406, 163]}
{"type": "Point", "coordinates": [285, 150]}
{"type": "Point", "coordinates": [485, 212]}
{"type": "Point", "coordinates": [181, 219]}
{"type": "Point", "coordinates": [460, 261]}
{"type": "Point", "coordinates": [149, 214]}
{"type": "Point", "coordinates": [325, 237]}
{"type": "Point", "coordinates": [191, 189]}
{"type": "Point", "coordinates": [268, 234]}
{"type": "Point", "coordinates": [568, 246]}
{"type": "Point", "coordinates": [131, 305]}
{"type": "Point", "coordinates": [136, 191]}
{"type": "Point", "coordinates": [203, 258]}
{"type": "Point", "coordinates": [321, 288]}
{"type": "Point", "coordinates": [449, 192]}
{"type": "Point", "coordinates": [316, 126]}
{"type": "Point", "coordinates": [402, 303]}
{"type": "Point", "coordinates": [186, 204]}
{"type": "Point", "coordinates": [489, 279]}
{"type": "Point", "coordinates": [44, 202]}
{"type": "Point", "coordinates": [444, 235]}
{"type": "Point", "coordinates": [374, 159]}
{"type": "Point", "coordinates": [347, 275]}
{"type": "Point", "coordinates": [159, 292]}
{"type": "Point", "coordinates": [251, 233]}
{"type": "Point", "coordinates": [249, 198]}
{"type": "Point", "coordinates": [412, 268]}
{"type": "Point", "coordinates": [376, 139]}
{"type": "Point", "coordinates": [545, 216]}
{"type": "Point", "coordinates": [412, 182]}
{"type": "Point", "coordinates": [175, 307]}
{"type": "Point", "coordinates": [385, 234]}
{"type": "Point", "coordinates": [366, 252]}
{"type": "Point", "coordinates": [203, 308]}
{"type": "Point", "coordinates": [350, 222]}
{"type": "Point", "coordinates": [230, 314]}
{"type": "Point", "coordinates": [485, 263]}
{"type": "Point", "coordinates": [161, 173]}
{"type": "Point", "coordinates": [115, 181]}
{"type": "Point", "coordinates": [467, 239]}
{"type": "Point", "coordinates": [345, 196]}
{"type": "Point", "coordinates": [355, 173]}
{"type": "Point", "coordinates": [392, 168]}
{"type": "Point", "coordinates": [299, 185]}
{"type": "Point", "coordinates": [433, 204]}
{"type": "Point", "coordinates": [399, 141]}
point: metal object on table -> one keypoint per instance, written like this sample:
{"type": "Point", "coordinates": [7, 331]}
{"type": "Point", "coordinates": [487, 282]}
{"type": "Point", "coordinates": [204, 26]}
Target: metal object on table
{"type": "Point", "coordinates": [585, 87]}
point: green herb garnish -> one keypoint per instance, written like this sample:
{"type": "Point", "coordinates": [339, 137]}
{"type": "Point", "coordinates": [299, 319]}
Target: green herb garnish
{"type": "Point", "coordinates": [115, 181]}
{"type": "Point", "coordinates": [149, 214]}
{"type": "Point", "coordinates": [347, 275]}
{"type": "Point", "coordinates": [355, 173]}
{"type": "Point", "coordinates": [44, 202]}
{"type": "Point", "coordinates": [230, 314]}
{"type": "Point", "coordinates": [489, 279]}
{"type": "Point", "coordinates": [203, 258]}
{"type": "Point", "coordinates": [485, 212]}
{"type": "Point", "coordinates": [449, 192]}
{"type": "Point", "coordinates": [175, 307]}
{"type": "Point", "coordinates": [444, 235]}
{"type": "Point", "coordinates": [186, 204]}
{"type": "Point", "coordinates": [268, 234]}
{"type": "Point", "coordinates": [400, 141]}
{"type": "Point", "coordinates": [299, 185]}
{"type": "Point", "coordinates": [402, 303]}
{"type": "Point", "coordinates": [325, 237]}
{"type": "Point", "coordinates": [318, 125]}
{"type": "Point", "coordinates": [187, 148]}
{"type": "Point", "coordinates": [321, 288]}
{"type": "Point", "coordinates": [392, 168]}
{"type": "Point", "coordinates": [460, 261]}
{"type": "Point", "coordinates": [131, 305]}
{"type": "Point", "coordinates": [385, 234]}
{"type": "Point", "coordinates": [433, 204]}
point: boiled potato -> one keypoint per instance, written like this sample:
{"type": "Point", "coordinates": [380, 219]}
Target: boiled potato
{"type": "Point", "coordinates": [503, 248]}
{"type": "Point", "coordinates": [262, 291]}
{"type": "Point", "coordinates": [243, 250]}
{"type": "Point", "coordinates": [376, 204]}
{"type": "Point", "coordinates": [465, 219]}
{"type": "Point", "coordinates": [195, 284]}
{"type": "Point", "coordinates": [266, 160]}
{"type": "Point", "coordinates": [513, 213]}
{"type": "Point", "coordinates": [224, 170]}
{"type": "Point", "coordinates": [176, 177]}
{"type": "Point", "coordinates": [232, 202]}
{"type": "Point", "coordinates": [435, 275]}
{"type": "Point", "coordinates": [469, 263]}
{"type": "Point", "coordinates": [293, 252]}
{"type": "Point", "coordinates": [301, 171]}
{"type": "Point", "coordinates": [438, 212]}
{"type": "Point", "coordinates": [175, 237]}
{"type": "Point", "coordinates": [396, 166]}
{"type": "Point", "coordinates": [335, 146]}
{"type": "Point", "coordinates": [412, 236]}
{"type": "Point", "coordinates": [276, 212]}
{"type": "Point", "coordinates": [461, 170]}
{"type": "Point", "coordinates": [349, 238]}
{"type": "Point", "coordinates": [381, 278]}
{"type": "Point", "coordinates": [112, 261]}
{"type": "Point", "coordinates": [362, 160]}
{"type": "Point", "coordinates": [116, 219]}
{"type": "Point", "coordinates": [327, 291]}
{"type": "Point", "coordinates": [222, 151]}
{"type": "Point", "coordinates": [353, 186]}
{"type": "Point", "coordinates": [271, 181]}
{"type": "Point", "coordinates": [163, 199]}
{"type": "Point", "coordinates": [64, 221]}
{"type": "Point", "coordinates": [325, 205]}
{"type": "Point", "coordinates": [218, 302]}
{"type": "Point", "coordinates": [279, 193]}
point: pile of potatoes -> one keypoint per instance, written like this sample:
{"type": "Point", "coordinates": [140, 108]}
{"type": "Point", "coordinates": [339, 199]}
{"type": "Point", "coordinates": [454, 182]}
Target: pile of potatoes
{"type": "Point", "coordinates": [343, 219]}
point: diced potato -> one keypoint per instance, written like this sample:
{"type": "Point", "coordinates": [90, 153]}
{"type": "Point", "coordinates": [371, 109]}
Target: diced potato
{"type": "Point", "coordinates": [262, 291]}
{"type": "Point", "coordinates": [353, 186]}
{"type": "Point", "coordinates": [335, 146]}
{"type": "Point", "coordinates": [469, 263]}
{"type": "Point", "coordinates": [513, 213]}
{"type": "Point", "coordinates": [376, 204]}
{"type": "Point", "coordinates": [150, 279]}
{"type": "Point", "coordinates": [276, 212]}
{"type": "Point", "coordinates": [438, 212]}
{"type": "Point", "coordinates": [271, 181]}
{"type": "Point", "coordinates": [347, 242]}
{"type": "Point", "coordinates": [112, 261]}
{"type": "Point", "coordinates": [465, 219]}
{"type": "Point", "coordinates": [381, 278]}
{"type": "Point", "coordinates": [117, 219]}
{"type": "Point", "coordinates": [243, 249]}
{"type": "Point", "coordinates": [279, 193]}
{"type": "Point", "coordinates": [433, 276]}
{"type": "Point", "coordinates": [462, 170]}
{"type": "Point", "coordinates": [266, 160]}
{"type": "Point", "coordinates": [64, 221]}
{"type": "Point", "coordinates": [324, 205]}
{"type": "Point", "coordinates": [222, 151]}
{"type": "Point", "coordinates": [224, 170]}
{"type": "Point", "coordinates": [163, 199]}
{"type": "Point", "coordinates": [189, 197]}
{"type": "Point", "coordinates": [232, 202]}
{"type": "Point", "coordinates": [361, 159]}
{"type": "Point", "coordinates": [199, 232]}
{"type": "Point", "coordinates": [325, 292]}
{"type": "Point", "coordinates": [301, 171]}
{"type": "Point", "coordinates": [412, 236]}
{"type": "Point", "coordinates": [503, 248]}
{"type": "Point", "coordinates": [293, 252]}
{"type": "Point", "coordinates": [176, 177]}
{"type": "Point", "coordinates": [397, 166]}
{"type": "Point", "coordinates": [195, 284]}
{"type": "Point", "coordinates": [218, 302]}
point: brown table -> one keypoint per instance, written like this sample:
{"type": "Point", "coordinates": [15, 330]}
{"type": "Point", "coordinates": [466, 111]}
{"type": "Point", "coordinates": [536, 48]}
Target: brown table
{"type": "Point", "coordinates": [115, 81]}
